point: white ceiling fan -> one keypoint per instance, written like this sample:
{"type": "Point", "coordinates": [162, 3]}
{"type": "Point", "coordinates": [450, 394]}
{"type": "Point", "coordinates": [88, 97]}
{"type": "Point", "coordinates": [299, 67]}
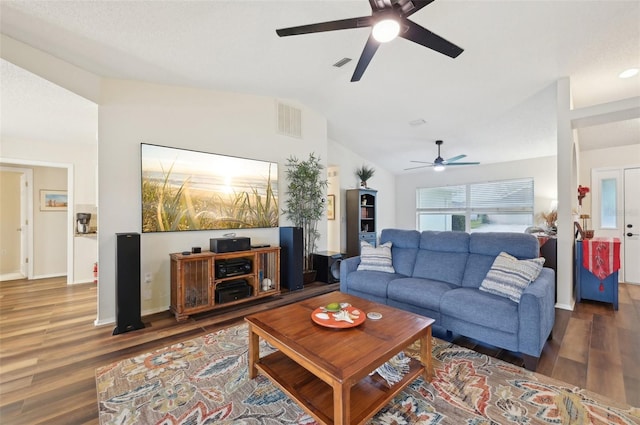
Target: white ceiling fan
{"type": "Point", "coordinates": [439, 163]}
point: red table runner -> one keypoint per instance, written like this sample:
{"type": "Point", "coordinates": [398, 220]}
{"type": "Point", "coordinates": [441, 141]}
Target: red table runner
{"type": "Point", "coordinates": [601, 256]}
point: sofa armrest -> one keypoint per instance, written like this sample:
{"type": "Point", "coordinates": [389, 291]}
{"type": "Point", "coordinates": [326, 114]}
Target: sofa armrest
{"type": "Point", "coordinates": [537, 313]}
{"type": "Point", "coordinates": [347, 266]}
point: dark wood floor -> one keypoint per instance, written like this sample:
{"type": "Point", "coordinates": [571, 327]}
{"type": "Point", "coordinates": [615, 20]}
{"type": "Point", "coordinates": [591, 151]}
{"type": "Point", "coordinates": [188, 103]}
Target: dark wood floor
{"type": "Point", "coordinates": [50, 348]}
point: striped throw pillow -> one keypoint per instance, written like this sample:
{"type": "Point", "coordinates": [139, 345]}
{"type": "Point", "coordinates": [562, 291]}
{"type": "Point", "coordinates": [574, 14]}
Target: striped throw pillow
{"type": "Point", "coordinates": [509, 277]}
{"type": "Point", "coordinates": [376, 259]}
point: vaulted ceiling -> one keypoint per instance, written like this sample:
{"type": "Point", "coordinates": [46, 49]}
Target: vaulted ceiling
{"type": "Point", "coordinates": [495, 102]}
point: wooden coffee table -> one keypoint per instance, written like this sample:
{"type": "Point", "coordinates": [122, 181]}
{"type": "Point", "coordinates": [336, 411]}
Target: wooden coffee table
{"type": "Point", "coordinates": [327, 370]}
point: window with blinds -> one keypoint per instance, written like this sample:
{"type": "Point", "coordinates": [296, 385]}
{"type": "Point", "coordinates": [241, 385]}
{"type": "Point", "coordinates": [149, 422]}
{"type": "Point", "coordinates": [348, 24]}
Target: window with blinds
{"type": "Point", "coordinates": [500, 206]}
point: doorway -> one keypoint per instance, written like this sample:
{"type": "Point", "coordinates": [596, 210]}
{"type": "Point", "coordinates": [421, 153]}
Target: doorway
{"type": "Point", "coordinates": [616, 214]}
{"type": "Point", "coordinates": [15, 227]}
{"type": "Point", "coordinates": [40, 240]}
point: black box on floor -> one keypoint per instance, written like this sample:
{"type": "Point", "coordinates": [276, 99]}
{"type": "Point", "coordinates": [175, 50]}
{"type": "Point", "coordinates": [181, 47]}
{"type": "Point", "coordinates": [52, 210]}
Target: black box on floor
{"type": "Point", "coordinates": [233, 290]}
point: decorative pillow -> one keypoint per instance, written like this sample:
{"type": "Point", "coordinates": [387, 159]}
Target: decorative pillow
{"type": "Point", "coordinates": [509, 277]}
{"type": "Point", "coordinates": [376, 259]}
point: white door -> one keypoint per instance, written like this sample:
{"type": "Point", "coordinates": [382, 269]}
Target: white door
{"type": "Point", "coordinates": [632, 225]}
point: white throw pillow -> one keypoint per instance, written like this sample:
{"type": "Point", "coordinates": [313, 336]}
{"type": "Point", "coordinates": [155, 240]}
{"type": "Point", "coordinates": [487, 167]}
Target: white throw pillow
{"type": "Point", "coordinates": [376, 259]}
{"type": "Point", "coordinates": [509, 277]}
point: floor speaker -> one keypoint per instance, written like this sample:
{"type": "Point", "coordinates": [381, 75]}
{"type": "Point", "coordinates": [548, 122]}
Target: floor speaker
{"type": "Point", "coordinates": [127, 283]}
{"type": "Point", "coordinates": [291, 261]}
{"type": "Point", "coordinates": [327, 263]}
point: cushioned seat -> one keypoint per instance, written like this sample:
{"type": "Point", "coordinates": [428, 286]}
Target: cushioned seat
{"type": "Point", "coordinates": [372, 282]}
{"type": "Point", "coordinates": [419, 292]}
{"type": "Point", "coordinates": [471, 305]}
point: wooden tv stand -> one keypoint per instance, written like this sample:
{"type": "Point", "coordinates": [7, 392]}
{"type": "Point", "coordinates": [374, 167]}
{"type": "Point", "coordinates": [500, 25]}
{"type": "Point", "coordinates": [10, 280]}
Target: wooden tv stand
{"type": "Point", "coordinates": [194, 280]}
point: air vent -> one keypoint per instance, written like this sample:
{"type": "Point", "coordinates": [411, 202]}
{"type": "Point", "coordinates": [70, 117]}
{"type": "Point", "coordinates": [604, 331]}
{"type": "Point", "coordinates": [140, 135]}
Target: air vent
{"type": "Point", "coordinates": [342, 62]}
{"type": "Point", "coordinates": [289, 121]}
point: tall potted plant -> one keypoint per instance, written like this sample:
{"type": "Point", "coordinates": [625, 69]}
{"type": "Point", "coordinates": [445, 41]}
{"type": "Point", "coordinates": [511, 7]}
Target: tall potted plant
{"type": "Point", "coordinates": [305, 202]}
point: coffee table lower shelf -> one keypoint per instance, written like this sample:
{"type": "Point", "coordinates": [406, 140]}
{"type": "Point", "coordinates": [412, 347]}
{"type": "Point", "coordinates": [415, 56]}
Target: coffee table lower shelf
{"type": "Point", "coordinates": [315, 396]}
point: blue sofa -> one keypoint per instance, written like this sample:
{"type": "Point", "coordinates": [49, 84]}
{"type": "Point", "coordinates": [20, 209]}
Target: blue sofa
{"type": "Point", "coordinates": [438, 274]}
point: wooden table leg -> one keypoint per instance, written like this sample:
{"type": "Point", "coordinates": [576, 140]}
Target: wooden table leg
{"type": "Point", "coordinates": [425, 355]}
{"type": "Point", "coordinates": [254, 352]}
{"type": "Point", "coordinates": [341, 404]}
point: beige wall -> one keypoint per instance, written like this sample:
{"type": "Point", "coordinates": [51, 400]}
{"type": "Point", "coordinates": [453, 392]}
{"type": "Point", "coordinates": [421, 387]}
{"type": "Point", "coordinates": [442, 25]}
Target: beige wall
{"type": "Point", "coordinates": [49, 227]}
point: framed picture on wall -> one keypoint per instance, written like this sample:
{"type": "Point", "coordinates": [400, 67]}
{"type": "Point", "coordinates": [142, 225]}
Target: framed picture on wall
{"type": "Point", "coordinates": [331, 207]}
{"type": "Point", "coordinates": [53, 200]}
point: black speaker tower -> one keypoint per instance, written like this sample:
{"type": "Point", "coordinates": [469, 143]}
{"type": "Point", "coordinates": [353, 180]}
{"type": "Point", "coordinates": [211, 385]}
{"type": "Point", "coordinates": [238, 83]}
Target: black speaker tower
{"type": "Point", "coordinates": [127, 283]}
{"type": "Point", "coordinates": [291, 261]}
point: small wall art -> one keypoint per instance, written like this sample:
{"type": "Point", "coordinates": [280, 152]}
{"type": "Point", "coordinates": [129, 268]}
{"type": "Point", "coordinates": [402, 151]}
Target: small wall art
{"type": "Point", "coordinates": [331, 207]}
{"type": "Point", "coordinates": [53, 200]}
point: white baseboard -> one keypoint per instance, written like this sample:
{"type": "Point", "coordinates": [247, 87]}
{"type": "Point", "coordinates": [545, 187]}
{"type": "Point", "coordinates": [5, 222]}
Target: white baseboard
{"type": "Point", "coordinates": [112, 320]}
{"type": "Point", "coordinates": [565, 306]}
{"type": "Point", "coordinates": [11, 276]}
{"type": "Point", "coordinates": [48, 276]}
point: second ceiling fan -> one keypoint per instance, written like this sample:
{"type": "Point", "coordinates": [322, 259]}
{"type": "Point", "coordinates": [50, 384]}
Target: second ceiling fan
{"type": "Point", "coordinates": [439, 163]}
{"type": "Point", "coordinates": [389, 20]}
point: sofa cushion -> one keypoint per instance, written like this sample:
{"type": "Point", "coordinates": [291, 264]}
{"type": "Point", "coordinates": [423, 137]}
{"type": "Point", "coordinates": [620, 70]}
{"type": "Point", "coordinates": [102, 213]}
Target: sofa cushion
{"type": "Point", "coordinates": [509, 277]}
{"type": "Point", "coordinates": [520, 245]}
{"type": "Point", "coordinates": [482, 308]}
{"type": "Point", "coordinates": [376, 258]}
{"type": "Point", "coordinates": [485, 247]}
{"type": "Point", "coordinates": [404, 250]}
{"type": "Point", "coordinates": [422, 293]}
{"type": "Point", "coordinates": [442, 256]}
{"type": "Point", "coordinates": [371, 282]}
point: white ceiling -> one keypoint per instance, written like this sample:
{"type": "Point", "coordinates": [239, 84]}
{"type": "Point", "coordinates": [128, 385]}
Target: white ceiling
{"type": "Point", "coordinates": [495, 102]}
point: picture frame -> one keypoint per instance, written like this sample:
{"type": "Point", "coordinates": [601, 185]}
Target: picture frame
{"type": "Point", "coordinates": [53, 200]}
{"type": "Point", "coordinates": [331, 207]}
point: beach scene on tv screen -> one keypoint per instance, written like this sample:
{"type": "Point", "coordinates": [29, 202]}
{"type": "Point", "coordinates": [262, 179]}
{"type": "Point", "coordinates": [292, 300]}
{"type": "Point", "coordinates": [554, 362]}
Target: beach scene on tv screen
{"type": "Point", "coordinates": [186, 190]}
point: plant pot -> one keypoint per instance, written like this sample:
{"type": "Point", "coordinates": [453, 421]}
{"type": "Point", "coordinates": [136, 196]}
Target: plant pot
{"type": "Point", "coordinates": [308, 276]}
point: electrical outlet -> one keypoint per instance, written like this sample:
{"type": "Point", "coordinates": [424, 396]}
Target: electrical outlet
{"type": "Point", "coordinates": [146, 294]}
{"type": "Point", "coordinates": [147, 277]}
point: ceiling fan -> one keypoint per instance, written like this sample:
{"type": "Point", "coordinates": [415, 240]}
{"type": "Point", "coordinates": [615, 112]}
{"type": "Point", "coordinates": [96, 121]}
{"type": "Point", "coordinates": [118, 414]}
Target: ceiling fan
{"type": "Point", "coordinates": [440, 164]}
{"type": "Point", "coordinates": [389, 20]}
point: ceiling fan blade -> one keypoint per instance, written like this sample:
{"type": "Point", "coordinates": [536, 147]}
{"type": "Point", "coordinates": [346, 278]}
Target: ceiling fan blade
{"type": "Point", "coordinates": [342, 24]}
{"type": "Point", "coordinates": [423, 162]}
{"type": "Point", "coordinates": [417, 5]}
{"type": "Point", "coordinates": [423, 36]}
{"type": "Point", "coordinates": [366, 56]}
{"type": "Point", "coordinates": [421, 166]}
{"type": "Point", "coordinates": [455, 158]}
{"type": "Point", "coordinates": [462, 163]}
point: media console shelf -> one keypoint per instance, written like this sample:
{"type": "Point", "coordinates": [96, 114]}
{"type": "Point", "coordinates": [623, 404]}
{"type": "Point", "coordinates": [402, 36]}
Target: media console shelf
{"type": "Point", "coordinates": [194, 281]}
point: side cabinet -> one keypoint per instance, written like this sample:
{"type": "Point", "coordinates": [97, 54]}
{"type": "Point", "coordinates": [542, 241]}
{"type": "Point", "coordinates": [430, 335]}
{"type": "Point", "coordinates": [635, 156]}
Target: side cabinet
{"type": "Point", "coordinates": [361, 219]}
{"type": "Point", "coordinates": [207, 281]}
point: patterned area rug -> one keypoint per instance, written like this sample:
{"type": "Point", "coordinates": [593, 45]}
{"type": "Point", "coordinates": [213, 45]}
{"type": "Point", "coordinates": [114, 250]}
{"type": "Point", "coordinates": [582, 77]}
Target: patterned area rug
{"type": "Point", "coordinates": [205, 381]}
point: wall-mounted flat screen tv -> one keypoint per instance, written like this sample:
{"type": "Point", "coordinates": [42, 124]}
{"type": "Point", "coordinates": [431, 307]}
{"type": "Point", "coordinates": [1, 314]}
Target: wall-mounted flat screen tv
{"type": "Point", "coordinates": [190, 190]}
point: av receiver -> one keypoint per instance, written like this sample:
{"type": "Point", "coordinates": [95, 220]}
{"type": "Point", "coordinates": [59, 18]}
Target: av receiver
{"type": "Point", "coordinates": [233, 267]}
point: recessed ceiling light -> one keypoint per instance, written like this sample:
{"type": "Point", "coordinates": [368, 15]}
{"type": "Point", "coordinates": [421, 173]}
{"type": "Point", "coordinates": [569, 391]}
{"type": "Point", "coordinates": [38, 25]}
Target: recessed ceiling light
{"type": "Point", "coordinates": [631, 72]}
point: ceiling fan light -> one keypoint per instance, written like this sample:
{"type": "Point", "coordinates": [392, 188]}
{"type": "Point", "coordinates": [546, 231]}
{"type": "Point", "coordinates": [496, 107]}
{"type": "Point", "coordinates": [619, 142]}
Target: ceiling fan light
{"type": "Point", "coordinates": [386, 30]}
{"type": "Point", "coordinates": [631, 72]}
{"type": "Point", "coordinates": [438, 167]}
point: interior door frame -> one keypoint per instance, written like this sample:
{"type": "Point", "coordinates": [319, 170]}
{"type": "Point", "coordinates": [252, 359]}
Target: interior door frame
{"type": "Point", "coordinates": [26, 218]}
{"type": "Point", "coordinates": [70, 209]}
